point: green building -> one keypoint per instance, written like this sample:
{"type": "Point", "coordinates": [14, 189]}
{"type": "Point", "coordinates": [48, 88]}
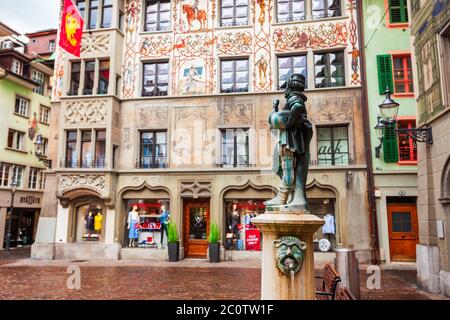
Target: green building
{"type": "Point", "coordinates": [25, 113]}
{"type": "Point", "coordinates": [388, 64]}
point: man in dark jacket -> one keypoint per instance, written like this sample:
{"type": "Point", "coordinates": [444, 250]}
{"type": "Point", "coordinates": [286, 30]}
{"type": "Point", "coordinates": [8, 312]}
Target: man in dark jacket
{"type": "Point", "coordinates": [291, 155]}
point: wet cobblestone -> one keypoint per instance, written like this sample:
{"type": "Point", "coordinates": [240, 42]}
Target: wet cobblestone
{"type": "Point", "coordinates": [153, 280]}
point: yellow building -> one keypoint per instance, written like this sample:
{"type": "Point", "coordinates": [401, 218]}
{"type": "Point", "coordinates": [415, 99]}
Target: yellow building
{"type": "Point", "coordinates": [24, 104]}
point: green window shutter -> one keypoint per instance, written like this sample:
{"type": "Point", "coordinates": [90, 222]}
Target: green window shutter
{"type": "Point", "coordinates": [398, 11]}
{"type": "Point", "coordinates": [384, 63]}
{"type": "Point", "coordinates": [390, 144]}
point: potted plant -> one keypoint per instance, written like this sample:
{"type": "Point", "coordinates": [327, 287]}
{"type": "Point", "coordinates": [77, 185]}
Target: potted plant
{"type": "Point", "coordinates": [213, 246]}
{"type": "Point", "coordinates": [173, 242]}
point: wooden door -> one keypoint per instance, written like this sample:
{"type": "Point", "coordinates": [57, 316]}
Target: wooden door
{"type": "Point", "coordinates": [403, 231]}
{"type": "Point", "coordinates": [196, 228]}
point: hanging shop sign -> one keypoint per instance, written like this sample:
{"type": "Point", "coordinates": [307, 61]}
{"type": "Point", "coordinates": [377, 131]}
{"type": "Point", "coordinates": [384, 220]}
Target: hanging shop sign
{"type": "Point", "coordinates": [253, 240]}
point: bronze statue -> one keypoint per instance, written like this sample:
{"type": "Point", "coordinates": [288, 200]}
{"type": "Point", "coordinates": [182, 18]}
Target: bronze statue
{"type": "Point", "coordinates": [291, 154]}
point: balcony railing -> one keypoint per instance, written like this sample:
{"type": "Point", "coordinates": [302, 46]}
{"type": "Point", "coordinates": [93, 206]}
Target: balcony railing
{"type": "Point", "coordinates": [152, 163]}
{"type": "Point", "coordinates": [321, 163]}
{"type": "Point", "coordinates": [232, 162]}
{"type": "Point", "coordinates": [92, 164]}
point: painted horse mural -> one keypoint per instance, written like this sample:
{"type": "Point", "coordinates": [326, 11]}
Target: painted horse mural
{"type": "Point", "coordinates": [194, 14]}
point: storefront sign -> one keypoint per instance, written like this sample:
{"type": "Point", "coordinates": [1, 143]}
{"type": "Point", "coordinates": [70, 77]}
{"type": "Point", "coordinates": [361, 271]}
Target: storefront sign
{"type": "Point", "coordinates": [252, 240]}
{"type": "Point", "coordinates": [30, 200]}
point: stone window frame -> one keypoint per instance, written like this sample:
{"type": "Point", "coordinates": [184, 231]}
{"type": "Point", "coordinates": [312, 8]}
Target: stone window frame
{"type": "Point", "coordinates": [250, 150]}
{"type": "Point", "coordinates": [443, 45]}
{"type": "Point", "coordinates": [312, 66]}
{"type": "Point", "coordinates": [99, 19]}
{"type": "Point", "coordinates": [220, 8]}
{"type": "Point", "coordinates": [293, 55]}
{"type": "Point", "coordinates": [81, 90]}
{"type": "Point", "coordinates": [306, 5]}
{"type": "Point", "coordinates": [78, 162]}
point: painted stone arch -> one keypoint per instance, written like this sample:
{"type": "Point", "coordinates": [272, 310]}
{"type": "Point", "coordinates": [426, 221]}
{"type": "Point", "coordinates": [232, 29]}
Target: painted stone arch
{"type": "Point", "coordinates": [133, 192]}
{"type": "Point", "coordinates": [445, 184]}
{"type": "Point", "coordinates": [80, 206]}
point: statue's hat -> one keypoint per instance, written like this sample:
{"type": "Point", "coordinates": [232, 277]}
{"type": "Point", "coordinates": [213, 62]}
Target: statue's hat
{"type": "Point", "coordinates": [295, 80]}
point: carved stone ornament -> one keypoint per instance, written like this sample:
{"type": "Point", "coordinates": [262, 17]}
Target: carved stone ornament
{"type": "Point", "coordinates": [289, 254]}
{"type": "Point", "coordinates": [195, 189]}
{"type": "Point", "coordinates": [86, 112]}
{"type": "Point", "coordinates": [95, 43]}
{"type": "Point", "coordinates": [332, 109]}
{"type": "Point", "coordinates": [79, 181]}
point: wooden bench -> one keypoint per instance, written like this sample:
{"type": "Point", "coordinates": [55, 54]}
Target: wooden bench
{"type": "Point", "coordinates": [344, 294]}
{"type": "Point", "coordinates": [330, 279]}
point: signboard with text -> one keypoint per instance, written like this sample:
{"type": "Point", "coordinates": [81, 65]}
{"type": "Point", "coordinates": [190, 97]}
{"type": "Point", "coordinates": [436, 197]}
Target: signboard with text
{"type": "Point", "coordinates": [253, 240]}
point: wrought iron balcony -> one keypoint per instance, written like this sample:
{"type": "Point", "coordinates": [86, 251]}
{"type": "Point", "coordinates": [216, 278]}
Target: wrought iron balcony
{"type": "Point", "coordinates": [152, 162]}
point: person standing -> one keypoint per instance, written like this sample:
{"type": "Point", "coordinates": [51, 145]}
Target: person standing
{"type": "Point", "coordinates": [165, 219]}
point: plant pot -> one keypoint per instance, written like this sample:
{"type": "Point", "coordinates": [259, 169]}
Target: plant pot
{"type": "Point", "coordinates": [214, 252]}
{"type": "Point", "coordinates": [174, 251]}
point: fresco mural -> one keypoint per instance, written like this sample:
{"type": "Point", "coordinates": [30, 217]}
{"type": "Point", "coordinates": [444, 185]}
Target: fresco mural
{"type": "Point", "coordinates": [196, 40]}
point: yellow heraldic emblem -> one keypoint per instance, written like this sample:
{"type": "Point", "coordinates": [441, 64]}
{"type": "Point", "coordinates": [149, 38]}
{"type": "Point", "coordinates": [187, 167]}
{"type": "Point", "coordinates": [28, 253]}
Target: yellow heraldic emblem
{"type": "Point", "coordinates": [72, 25]}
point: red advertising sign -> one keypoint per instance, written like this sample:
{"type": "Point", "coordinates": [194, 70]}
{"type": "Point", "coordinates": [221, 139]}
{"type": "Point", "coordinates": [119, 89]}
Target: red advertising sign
{"type": "Point", "coordinates": [253, 240]}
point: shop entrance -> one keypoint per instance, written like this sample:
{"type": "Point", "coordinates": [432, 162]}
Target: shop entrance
{"type": "Point", "coordinates": [22, 227]}
{"type": "Point", "coordinates": [196, 228]}
{"type": "Point", "coordinates": [403, 231]}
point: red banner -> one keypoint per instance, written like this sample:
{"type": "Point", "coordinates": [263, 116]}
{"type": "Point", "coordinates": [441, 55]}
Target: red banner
{"type": "Point", "coordinates": [71, 31]}
{"type": "Point", "coordinates": [252, 240]}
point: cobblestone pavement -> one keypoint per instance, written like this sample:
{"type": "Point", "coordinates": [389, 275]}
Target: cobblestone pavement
{"type": "Point", "coordinates": [21, 278]}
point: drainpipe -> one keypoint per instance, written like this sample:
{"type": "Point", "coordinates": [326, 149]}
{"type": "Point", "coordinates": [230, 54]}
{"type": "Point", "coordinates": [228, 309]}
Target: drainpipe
{"type": "Point", "coordinates": [373, 226]}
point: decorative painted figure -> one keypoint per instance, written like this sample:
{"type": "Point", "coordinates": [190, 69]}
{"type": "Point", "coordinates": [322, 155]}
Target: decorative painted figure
{"type": "Point", "coordinates": [262, 65]}
{"type": "Point", "coordinates": [193, 13]}
{"type": "Point", "coordinates": [291, 154]}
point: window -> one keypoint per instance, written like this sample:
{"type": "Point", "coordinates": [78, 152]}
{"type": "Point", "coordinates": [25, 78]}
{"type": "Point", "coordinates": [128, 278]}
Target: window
{"type": "Point", "coordinates": [329, 69]}
{"type": "Point", "coordinates": [39, 78]}
{"type": "Point", "coordinates": [234, 12]}
{"type": "Point", "coordinates": [153, 149]}
{"type": "Point", "coordinates": [51, 45]}
{"type": "Point", "coordinates": [45, 147]}
{"type": "Point", "coordinates": [403, 78]}
{"type": "Point", "coordinates": [86, 149]}
{"type": "Point", "coordinates": [234, 76]}
{"type": "Point", "coordinates": [21, 106]}
{"type": "Point", "coordinates": [332, 146]}
{"type": "Point", "coordinates": [407, 148]}
{"type": "Point", "coordinates": [89, 77]}
{"type": "Point", "coordinates": [35, 179]}
{"type": "Point", "coordinates": [75, 78]}
{"type": "Point", "coordinates": [157, 15]}
{"type": "Point", "coordinates": [100, 148]}
{"type": "Point", "coordinates": [384, 65]}
{"type": "Point", "coordinates": [71, 149]}
{"type": "Point", "coordinates": [290, 65]}
{"type": "Point", "coordinates": [103, 79]}
{"type": "Point", "coordinates": [18, 175]}
{"type": "Point", "coordinates": [445, 66]}
{"type": "Point", "coordinates": [326, 8]}
{"type": "Point", "coordinates": [81, 5]}
{"type": "Point", "coordinates": [92, 149]}
{"type": "Point", "coordinates": [15, 139]}
{"type": "Point", "coordinates": [16, 67]}
{"type": "Point", "coordinates": [7, 44]}
{"type": "Point", "coordinates": [107, 13]}
{"type": "Point", "coordinates": [235, 148]}
{"type": "Point", "coordinates": [4, 174]}
{"type": "Point", "coordinates": [155, 79]}
{"type": "Point", "coordinates": [398, 11]}
{"type": "Point", "coordinates": [44, 114]}
{"type": "Point", "coordinates": [93, 14]}
{"type": "Point", "coordinates": [290, 10]}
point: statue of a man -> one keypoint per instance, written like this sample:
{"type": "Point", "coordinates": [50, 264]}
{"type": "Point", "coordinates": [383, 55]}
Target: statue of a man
{"type": "Point", "coordinates": [291, 154]}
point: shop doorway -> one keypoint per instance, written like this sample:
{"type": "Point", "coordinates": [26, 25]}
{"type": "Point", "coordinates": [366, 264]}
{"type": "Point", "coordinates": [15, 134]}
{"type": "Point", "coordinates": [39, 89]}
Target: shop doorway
{"type": "Point", "coordinates": [196, 228]}
{"type": "Point", "coordinates": [22, 228]}
{"type": "Point", "coordinates": [403, 231]}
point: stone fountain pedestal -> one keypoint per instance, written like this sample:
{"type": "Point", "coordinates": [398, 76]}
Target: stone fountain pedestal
{"type": "Point", "coordinates": [275, 284]}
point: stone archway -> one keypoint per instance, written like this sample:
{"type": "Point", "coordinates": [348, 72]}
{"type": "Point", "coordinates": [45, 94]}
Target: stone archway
{"type": "Point", "coordinates": [445, 184]}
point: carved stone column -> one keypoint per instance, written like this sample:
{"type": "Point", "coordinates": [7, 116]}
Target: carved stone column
{"type": "Point", "coordinates": [288, 243]}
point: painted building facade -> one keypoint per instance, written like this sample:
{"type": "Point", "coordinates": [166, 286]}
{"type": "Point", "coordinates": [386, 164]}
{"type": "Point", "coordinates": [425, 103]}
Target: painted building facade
{"type": "Point", "coordinates": [168, 106]}
{"type": "Point", "coordinates": [431, 41]}
{"type": "Point", "coordinates": [25, 112]}
{"type": "Point", "coordinates": [388, 64]}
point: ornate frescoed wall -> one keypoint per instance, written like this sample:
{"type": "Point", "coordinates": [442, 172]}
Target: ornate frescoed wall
{"type": "Point", "coordinates": [196, 40]}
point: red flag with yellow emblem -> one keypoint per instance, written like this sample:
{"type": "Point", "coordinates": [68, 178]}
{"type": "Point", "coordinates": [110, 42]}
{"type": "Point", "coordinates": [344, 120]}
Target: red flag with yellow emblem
{"type": "Point", "coordinates": [71, 29]}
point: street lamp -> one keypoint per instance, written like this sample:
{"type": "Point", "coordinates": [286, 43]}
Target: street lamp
{"type": "Point", "coordinates": [39, 151]}
{"type": "Point", "coordinates": [388, 119]}
{"type": "Point", "coordinates": [8, 232]}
